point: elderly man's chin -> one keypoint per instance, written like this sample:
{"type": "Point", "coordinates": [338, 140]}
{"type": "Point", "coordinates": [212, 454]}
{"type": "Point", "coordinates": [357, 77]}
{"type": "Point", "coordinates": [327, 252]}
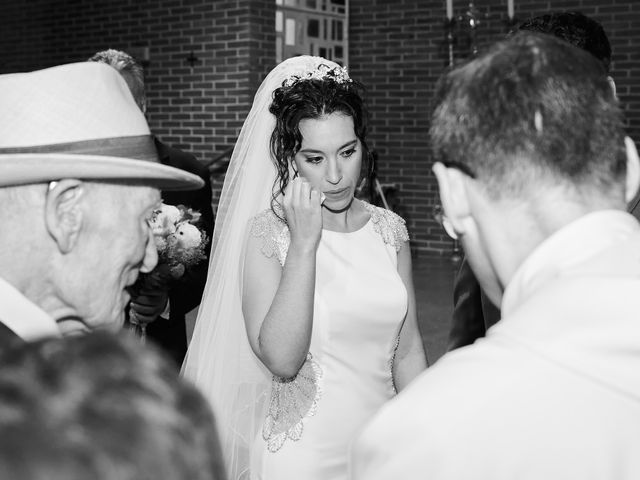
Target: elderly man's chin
{"type": "Point", "coordinates": [78, 326]}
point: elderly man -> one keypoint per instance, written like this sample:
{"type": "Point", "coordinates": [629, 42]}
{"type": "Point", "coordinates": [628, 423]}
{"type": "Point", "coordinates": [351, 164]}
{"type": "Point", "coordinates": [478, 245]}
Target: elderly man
{"type": "Point", "coordinates": [79, 180]}
{"type": "Point", "coordinates": [534, 173]}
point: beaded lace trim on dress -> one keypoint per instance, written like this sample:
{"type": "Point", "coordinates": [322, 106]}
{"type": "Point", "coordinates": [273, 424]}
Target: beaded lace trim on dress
{"type": "Point", "coordinates": [390, 226]}
{"type": "Point", "coordinates": [392, 361]}
{"type": "Point", "coordinates": [274, 234]}
{"type": "Point", "coordinates": [276, 239]}
{"type": "Point", "coordinates": [292, 400]}
{"type": "Point", "coordinates": [296, 398]}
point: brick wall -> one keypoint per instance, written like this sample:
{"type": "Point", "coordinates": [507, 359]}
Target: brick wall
{"type": "Point", "coordinates": [397, 49]}
{"type": "Point", "coordinates": [399, 60]}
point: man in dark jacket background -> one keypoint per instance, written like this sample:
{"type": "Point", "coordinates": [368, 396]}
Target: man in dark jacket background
{"type": "Point", "coordinates": [163, 308]}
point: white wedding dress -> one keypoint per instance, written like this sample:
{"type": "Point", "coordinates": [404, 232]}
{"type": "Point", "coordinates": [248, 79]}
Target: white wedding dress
{"type": "Point", "coordinates": [359, 305]}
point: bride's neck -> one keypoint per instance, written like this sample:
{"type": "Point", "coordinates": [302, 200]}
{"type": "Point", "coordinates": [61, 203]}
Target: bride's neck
{"type": "Point", "coordinates": [348, 220]}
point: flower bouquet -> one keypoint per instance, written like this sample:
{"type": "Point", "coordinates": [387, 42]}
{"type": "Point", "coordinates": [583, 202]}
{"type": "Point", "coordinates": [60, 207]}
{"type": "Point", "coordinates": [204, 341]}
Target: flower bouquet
{"type": "Point", "coordinates": [180, 244]}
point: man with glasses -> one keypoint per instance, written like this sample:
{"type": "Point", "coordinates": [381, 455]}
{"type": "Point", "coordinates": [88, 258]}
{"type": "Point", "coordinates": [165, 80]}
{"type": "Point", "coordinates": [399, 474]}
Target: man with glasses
{"type": "Point", "coordinates": [473, 312]}
{"type": "Point", "coordinates": [534, 172]}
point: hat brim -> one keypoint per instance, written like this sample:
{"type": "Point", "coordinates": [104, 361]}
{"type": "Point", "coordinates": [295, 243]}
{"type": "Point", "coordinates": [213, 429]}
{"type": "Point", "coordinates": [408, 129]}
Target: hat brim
{"type": "Point", "coordinates": [29, 168]}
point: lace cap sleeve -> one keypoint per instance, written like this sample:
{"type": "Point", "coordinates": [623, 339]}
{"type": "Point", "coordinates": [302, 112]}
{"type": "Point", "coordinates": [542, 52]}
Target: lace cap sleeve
{"type": "Point", "coordinates": [390, 226]}
{"type": "Point", "coordinates": [274, 234]}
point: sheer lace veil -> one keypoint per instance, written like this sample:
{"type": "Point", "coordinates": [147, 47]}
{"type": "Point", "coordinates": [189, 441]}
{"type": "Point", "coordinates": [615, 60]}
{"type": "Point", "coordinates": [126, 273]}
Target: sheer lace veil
{"type": "Point", "coordinates": [220, 360]}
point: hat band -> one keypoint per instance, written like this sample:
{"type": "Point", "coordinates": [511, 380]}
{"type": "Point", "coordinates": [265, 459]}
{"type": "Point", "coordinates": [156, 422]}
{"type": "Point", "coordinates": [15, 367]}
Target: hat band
{"type": "Point", "coordinates": [140, 147]}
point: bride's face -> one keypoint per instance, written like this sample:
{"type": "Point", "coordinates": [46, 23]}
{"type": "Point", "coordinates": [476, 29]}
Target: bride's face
{"type": "Point", "coordinates": [330, 157]}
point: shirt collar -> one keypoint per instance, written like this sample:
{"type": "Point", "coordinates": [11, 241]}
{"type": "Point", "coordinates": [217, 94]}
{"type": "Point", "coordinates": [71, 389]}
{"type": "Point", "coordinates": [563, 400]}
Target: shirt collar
{"type": "Point", "coordinates": [568, 246]}
{"type": "Point", "coordinates": [24, 317]}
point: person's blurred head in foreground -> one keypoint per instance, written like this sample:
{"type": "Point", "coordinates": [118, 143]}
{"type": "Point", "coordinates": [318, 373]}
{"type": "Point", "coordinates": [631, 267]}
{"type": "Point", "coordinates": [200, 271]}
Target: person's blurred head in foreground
{"type": "Point", "coordinates": [101, 406]}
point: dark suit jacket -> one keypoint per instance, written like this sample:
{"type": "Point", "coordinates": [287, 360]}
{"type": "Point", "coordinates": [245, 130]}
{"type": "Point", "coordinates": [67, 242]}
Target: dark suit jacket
{"type": "Point", "coordinates": [634, 207]}
{"type": "Point", "coordinates": [185, 293]}
{"type": "Point", "coordinates": [473, 312]}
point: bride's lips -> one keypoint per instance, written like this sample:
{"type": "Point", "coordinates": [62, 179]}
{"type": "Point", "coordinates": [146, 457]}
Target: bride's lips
{"type": "Point", "coordinates": [337, 194]}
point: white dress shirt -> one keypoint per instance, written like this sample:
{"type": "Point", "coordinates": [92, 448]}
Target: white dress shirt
{"type": "Point", "coordinates": [23, 317]}
{"type": "Point", "coordinates": [553, 390]}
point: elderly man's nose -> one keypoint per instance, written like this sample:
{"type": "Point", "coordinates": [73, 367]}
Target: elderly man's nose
{"type": "Point", "coordinates": [150, 259]}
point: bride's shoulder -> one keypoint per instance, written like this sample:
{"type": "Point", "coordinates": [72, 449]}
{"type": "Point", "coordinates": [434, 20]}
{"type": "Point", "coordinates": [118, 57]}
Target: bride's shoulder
{"type": "Point", "coordinates": [272, 233]}
{"type": "Point", "coordinates": [389, 225]}
{"type": "Point", "coordinates": [267, 222]}
{"type": "Point", "coordinates": [268, 216]}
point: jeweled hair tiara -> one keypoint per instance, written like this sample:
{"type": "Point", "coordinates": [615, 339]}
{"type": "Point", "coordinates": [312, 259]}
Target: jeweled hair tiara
{"type": "Point", "coordinates": [321, 72]}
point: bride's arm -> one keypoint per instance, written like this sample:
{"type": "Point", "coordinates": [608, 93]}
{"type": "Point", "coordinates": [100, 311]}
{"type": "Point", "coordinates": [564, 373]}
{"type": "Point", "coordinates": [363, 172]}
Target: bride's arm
{"type": "Point", "coordinates": [278, 301]}
{"type": "Point", "coordinates": [410, 359]}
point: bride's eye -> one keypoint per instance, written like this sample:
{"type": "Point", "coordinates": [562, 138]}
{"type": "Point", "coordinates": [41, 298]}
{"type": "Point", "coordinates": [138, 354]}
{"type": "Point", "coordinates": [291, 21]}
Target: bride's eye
{"type": "Point", "coordinates": [314, 160]}
{"type": "Point", "coordinates": [349, 152]}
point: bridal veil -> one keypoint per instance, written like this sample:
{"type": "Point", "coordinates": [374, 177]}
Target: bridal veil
{"type": "Point", "coordinates": [220, 360]}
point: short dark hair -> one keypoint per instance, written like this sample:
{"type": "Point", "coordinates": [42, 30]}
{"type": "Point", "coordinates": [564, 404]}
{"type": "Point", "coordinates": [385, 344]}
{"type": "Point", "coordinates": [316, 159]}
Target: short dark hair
{"type": "Point", "coordinates": [577, 29]}
{"type": "Point", "coordinates": [103, 407]}
{"type": "Point", "coordinates": [532, 107]}
{"type": "Point", "coordinates": [312, 99]}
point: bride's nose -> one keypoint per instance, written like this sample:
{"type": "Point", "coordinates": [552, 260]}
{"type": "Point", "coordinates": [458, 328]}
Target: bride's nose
{"type": "Point", "coordinates": [334, 172]}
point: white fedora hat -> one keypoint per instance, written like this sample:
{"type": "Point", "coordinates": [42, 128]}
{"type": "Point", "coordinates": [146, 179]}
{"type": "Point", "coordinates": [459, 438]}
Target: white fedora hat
{"type": "Point", "coordinates": [78, 121]}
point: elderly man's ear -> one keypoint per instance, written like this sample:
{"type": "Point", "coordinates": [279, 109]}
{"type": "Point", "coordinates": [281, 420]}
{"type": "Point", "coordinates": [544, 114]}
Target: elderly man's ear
{"type": "Point", "coordinates": [64, 213]}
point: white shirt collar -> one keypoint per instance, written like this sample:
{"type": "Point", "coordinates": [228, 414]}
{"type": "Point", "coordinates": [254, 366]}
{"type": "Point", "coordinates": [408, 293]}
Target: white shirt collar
{"type": "Point", "coordinates": [568, 246]}
{"type": "Point", "coordinates": [24, 317]}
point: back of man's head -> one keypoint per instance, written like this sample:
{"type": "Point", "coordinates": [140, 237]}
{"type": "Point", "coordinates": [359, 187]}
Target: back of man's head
{"type": "Point", "coordinates": [101, 407]}
{"type": "Point", "coordinates": [532, 111]}
{"type": "Point", "coordinates": [575, 28]}
{"type": "Point", "coordinates": [129, 68]}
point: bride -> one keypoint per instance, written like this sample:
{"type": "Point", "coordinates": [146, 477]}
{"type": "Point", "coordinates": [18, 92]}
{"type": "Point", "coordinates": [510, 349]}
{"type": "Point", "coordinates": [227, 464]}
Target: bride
{"type": "Point", "coordinates": [308, 323]}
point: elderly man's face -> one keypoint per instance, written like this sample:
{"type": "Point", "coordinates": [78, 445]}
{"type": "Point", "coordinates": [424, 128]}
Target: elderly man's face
{"type": "Point", "coordinates": [115, 245]}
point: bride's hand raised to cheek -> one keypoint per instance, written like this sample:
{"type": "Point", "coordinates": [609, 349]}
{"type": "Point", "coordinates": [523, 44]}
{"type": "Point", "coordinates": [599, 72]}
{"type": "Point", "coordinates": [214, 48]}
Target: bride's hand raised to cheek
{"type": "Point", "coordinates": [303, 210]}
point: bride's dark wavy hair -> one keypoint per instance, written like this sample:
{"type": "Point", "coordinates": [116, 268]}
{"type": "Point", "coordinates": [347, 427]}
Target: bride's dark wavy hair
{"type": "Point", "coordinates": [312, 99]}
